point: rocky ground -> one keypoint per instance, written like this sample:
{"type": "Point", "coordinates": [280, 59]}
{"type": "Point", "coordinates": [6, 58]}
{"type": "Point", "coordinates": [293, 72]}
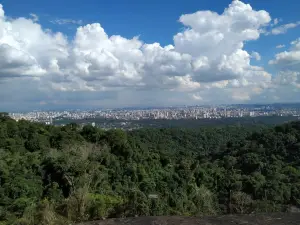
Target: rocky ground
{"type": "Point", "coordinates": [261, 219]}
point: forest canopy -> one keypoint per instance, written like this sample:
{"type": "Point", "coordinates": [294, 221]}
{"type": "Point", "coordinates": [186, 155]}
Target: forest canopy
{"type": "Point", "coordinates": [54, 175]}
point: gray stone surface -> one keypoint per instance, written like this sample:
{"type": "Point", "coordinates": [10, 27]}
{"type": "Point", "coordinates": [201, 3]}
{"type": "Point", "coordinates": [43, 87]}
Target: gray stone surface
{"type": "Point", "coordinates": [260, 219]}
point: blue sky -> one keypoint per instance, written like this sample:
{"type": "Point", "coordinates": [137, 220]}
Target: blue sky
{"type": "Point", "coordinates": [153, 21]}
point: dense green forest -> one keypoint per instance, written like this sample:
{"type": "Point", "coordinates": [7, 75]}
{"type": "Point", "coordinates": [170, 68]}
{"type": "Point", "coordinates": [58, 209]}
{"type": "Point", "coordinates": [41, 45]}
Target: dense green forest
{"type": "Point", "coordinates": [180, 123]}
{"type": "Point", "coordinates": [59, 175]}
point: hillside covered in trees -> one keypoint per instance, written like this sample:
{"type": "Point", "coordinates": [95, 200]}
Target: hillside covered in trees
{"type": "Point", "coordinates": [55, 175]}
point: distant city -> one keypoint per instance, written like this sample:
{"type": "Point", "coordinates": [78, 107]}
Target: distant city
{"type": "Point", "coordinates": [168, 113]}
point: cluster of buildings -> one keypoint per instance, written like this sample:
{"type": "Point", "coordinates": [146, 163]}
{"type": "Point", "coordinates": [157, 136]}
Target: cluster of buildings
{"type": "Point", "coordinates": [171, 113]}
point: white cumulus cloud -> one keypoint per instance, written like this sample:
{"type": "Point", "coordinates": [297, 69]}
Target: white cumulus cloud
{"type": "Point", "coordinates": [66, 21]}
{"type": "Point", "coordinates": [288, 78]}
{"type": "Point", "coordinates": [284, 28]}
{"type": "Point", "coordinates": [207, 60]}
{"type": "Point", "coordinates": [280, 46]}
{"type": "Point", "coordinates": [288, 60]}
{"type": "Point", "coordinates": [256, 56]}
{"type": "Point", "coordinates": [34, 17]}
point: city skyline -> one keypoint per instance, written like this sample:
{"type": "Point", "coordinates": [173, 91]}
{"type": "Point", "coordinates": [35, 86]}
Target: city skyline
{"type": "Point", "coordinates": [151, 107]}
{"type": "Point", "coordinates": [184, 112]}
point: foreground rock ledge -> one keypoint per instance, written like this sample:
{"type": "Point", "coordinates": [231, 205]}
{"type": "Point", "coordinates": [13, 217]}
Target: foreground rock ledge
{"type": "Point", "coordinates": [253, 219]}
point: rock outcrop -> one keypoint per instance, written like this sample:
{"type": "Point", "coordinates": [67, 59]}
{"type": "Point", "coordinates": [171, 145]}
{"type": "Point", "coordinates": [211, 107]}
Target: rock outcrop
{"type": "Point", "coordinates": [259, 219]}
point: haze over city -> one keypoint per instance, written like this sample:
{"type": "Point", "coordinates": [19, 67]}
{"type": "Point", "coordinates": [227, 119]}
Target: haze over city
{"type": "Point", "coordinates": [117, 54]}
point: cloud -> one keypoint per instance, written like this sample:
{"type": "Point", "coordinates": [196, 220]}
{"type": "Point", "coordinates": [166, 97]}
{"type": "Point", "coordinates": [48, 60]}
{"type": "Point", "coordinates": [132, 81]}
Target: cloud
{"type": "Point", "coordinates": [280, 46]}
{"type": "Point", "coordinates": [285, 87]}
{"type": "Point", "coordinates": [287, 78]}
{"type": "Point", "coordinates": [286, 83]}
{"type": "Point", "coordinates": [207, 60]}
{"type": "Point", "coordinates": [284, 28]}
{"type": "Point", "coordinates": [34, 17]}
{"type": "Point", "coordinates": [256, 56]}
{"type": "Point", "coordinates": [27, 49]}
{"type": "Point", "coordinates": [196, 96]}
{"type": "Point", "coordinates": [288, 60]}
{"type": "Point", "coordinates": [275, 22]}
{"type": "Point", "coordinates": [66, 21]}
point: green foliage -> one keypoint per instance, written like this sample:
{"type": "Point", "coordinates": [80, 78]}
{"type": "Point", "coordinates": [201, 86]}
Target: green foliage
{"type": "Point", "coordinates": [57, 175]}
{"type": "Point", "coordinates": [102, 206]}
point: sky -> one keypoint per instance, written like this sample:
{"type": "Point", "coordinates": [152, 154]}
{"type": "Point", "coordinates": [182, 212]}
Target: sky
{"type": "Point", "coordinates": [102, 54]}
